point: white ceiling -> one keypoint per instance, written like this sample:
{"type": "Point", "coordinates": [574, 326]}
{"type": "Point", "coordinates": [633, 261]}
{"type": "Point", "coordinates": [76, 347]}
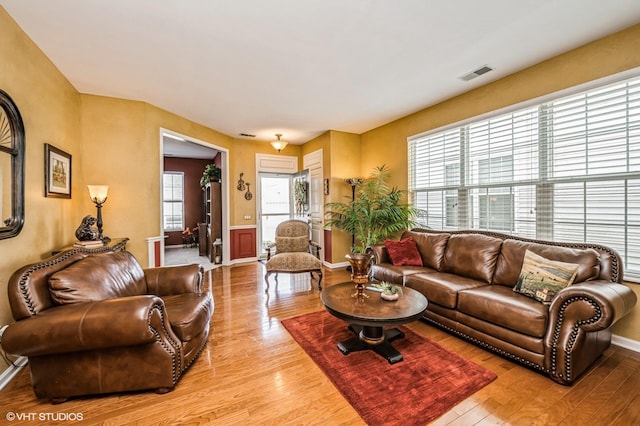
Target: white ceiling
{"type": "Point", "coordinates": [301, 67]}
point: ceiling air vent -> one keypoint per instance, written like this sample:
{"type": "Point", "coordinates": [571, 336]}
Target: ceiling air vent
{"type": "Point", "coordinates": [247, 135]}
{"type": "Point", "coordinates": [477, 73]}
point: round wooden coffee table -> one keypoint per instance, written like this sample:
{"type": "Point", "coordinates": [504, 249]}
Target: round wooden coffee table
{"type": "Point", "coordinates": [367, 317]}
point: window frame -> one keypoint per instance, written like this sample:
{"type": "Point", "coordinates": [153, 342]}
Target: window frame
{"type": "Point", "coordinates": [539, 189]}
{"type": "Point", "coordinates": [179, 201]}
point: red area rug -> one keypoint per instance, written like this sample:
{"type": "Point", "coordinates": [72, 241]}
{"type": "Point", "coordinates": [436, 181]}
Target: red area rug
{"type": "Point", "coordinates": [426, 384]}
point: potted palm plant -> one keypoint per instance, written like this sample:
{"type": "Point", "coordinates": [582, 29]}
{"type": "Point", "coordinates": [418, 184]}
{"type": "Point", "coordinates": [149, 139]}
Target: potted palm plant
{"type": "Point", "coordinates": [376, 213]}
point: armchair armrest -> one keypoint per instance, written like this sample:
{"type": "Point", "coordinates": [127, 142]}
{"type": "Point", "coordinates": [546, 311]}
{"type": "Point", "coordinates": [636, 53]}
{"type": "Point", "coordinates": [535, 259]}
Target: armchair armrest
{"type": "Point", "coordinates": [89, 326]}
{"type": "Point", "coordinates": [576, 312]}
{"type": "Point", "coordinates": [268, 248]}
{"type": "Point", "coordinates": [315, 248]}
{"type": "Point", "coordinates": [170, 280]}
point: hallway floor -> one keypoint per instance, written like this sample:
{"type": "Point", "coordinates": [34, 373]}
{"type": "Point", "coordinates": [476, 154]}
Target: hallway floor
{"type": "Point", "coordinates": [184, 256]}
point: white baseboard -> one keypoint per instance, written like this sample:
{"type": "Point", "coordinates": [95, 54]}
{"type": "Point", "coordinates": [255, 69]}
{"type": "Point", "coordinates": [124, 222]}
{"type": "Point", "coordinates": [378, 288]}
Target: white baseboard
{"type": "Point", "coordinates": [241, 260]}
{"type": "Point", "coordinates": [335, 265]}
{"type": "Point", "coordinates": [623, 342]}
{"type": "Point", "coordinates": [8, 374]}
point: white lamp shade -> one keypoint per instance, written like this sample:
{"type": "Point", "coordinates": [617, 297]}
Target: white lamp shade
{"type": "Point", "coordinates": [98, 193]}
{"type": "Point", "coordinates": [279, 145]}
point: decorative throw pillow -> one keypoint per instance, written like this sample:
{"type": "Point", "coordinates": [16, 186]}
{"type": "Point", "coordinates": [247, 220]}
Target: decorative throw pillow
{"type": "Point", "coordinates": [541, 278]}
{"type": "Point", "coordinates": [403, 252]}
{"type": "Point", "coordinates": [292, 244]}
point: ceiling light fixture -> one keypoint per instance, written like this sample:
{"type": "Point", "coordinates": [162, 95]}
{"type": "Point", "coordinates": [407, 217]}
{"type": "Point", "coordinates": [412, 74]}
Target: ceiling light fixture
{"type": "Point", "coordinates": [279, 144]}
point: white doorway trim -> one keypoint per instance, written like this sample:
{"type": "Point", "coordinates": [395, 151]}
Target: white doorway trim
{"type": "Point", "coordinates": [224, 159]}
{"type": "Point", "coordinates": [314, 163]}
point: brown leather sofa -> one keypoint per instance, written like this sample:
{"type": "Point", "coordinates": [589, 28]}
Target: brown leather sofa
{"type": "Point", "coordinates": [99, 323]}
{"type": "Point", "coordinates": [468, 279]}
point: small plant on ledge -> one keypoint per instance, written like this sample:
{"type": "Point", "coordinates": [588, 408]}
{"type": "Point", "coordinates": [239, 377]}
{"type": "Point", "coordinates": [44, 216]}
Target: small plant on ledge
{"type": "Point", "coordinates": [211, 173]}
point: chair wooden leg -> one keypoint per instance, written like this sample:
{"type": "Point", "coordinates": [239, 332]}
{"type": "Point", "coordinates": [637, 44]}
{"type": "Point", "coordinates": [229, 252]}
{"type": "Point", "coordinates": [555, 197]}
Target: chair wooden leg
{"type": "Point", "coordinates": [266, 280]}
{"type": "Point", "coordinates": [319, 279]}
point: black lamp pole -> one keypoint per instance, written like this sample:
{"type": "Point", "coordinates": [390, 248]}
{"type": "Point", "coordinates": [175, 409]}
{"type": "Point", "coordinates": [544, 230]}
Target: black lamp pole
{"type": "Point", "coordinates": [353, 182]}
{"type": "Point", "coordinates": [99, 221]}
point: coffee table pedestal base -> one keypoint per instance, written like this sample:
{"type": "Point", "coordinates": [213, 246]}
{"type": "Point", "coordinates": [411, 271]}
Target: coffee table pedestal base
{"type": "Point", "coordinates": [376, 339]}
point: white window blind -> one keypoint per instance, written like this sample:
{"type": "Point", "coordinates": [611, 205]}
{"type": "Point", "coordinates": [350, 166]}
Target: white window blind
{"type": "Point", "coordinates": [173, 201]}
{"type": "Point", "coordinates": [564, 170]}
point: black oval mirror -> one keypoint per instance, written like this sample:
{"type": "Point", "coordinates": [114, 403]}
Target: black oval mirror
{"type": "Point", "coordinates": [12, 152]}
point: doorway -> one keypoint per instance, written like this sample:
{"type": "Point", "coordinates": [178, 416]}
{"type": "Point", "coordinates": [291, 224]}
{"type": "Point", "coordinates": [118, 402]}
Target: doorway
{"type": "Point", "coordinates": [275, 206]}
{"type": "Point", "coordinates": [183, 147]}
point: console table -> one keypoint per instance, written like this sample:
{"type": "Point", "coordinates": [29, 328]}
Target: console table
{"type": "Point", "coordinates": [116, 244]}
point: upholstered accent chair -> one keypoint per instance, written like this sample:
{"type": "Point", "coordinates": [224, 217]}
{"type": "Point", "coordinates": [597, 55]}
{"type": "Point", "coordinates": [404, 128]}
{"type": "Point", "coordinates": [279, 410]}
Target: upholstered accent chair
{"type": "Point", "coordinates": [293, 252]}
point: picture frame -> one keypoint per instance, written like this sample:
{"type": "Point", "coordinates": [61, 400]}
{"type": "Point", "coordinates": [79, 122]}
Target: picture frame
{"type": "Point", "coordinates": [57, 172]}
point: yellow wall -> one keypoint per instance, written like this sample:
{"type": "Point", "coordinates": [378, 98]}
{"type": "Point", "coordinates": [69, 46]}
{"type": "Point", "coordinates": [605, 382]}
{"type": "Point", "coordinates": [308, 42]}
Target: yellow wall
{"type": "Point", "coordinates": [341, 159]}
{"type": "Point", "coordinates": [610, 55]}
{"type": "Point", "coordinates": [121, 148]}
{"type": "Point", "coordinates": [50, 107]}
{"type": "Point", "coordinates": [345, 156]}
{"type": "Point", "coordinates": [243, 160]}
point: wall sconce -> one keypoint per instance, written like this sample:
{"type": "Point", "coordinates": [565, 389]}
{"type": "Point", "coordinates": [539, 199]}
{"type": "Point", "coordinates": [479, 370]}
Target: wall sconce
{"type": "Point", "coordinates": [279, 145]}
{"type": "Point", "coordinates": [98, 194]}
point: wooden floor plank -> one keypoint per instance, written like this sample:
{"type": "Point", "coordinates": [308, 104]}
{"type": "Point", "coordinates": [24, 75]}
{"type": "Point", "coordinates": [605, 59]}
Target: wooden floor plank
{"type": "Point", "coordinates": [253, 372]}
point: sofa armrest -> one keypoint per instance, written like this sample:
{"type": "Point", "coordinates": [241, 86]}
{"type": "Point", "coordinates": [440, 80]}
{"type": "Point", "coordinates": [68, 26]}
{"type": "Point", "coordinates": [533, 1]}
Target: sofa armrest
{"type": "Point", "coordinates": [171, 280]}
{"type": "Point", "coordinates": [379, 254]}
{"type": "Point", "coordinates": [110, 323]}
{"type": "Point", "coordinates": [577, 312]}
{"type": "Point", "coordinates": [604, 302]}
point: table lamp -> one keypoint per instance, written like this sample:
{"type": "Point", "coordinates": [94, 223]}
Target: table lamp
{"type": "Point", "coordinates": [98, 194]}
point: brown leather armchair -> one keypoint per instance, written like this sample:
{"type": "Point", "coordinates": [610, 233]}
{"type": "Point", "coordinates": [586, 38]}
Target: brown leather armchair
{"type": "Point", "coordinates": [93, 324]}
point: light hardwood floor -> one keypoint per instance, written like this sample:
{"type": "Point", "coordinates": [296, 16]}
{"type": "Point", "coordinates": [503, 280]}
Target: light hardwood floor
{"type": "Point", "coordinates": [253, 373]}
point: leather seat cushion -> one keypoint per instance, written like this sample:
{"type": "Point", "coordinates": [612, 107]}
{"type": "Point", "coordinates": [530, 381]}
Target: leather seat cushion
{"type": "Point", "coordinates": [502, 306]}
{"type": "Point", "coordinates": [441, 288]}
{"type": "Point", "coordinates": [188, 313]}
{"type": "Point", "coordinates": [395, 274]}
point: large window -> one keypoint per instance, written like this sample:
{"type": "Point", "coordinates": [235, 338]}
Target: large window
{"type": "Point", "coordinates": [173, 201]}
{"type": "Point", "coordinates": [565, 170]}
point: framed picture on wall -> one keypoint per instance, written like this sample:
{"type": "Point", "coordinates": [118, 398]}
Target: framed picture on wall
{"type": "Point", "coordinates": [57, 172]}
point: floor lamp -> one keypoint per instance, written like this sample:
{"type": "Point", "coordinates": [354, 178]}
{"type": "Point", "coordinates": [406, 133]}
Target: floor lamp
{"type": "Point", "coordinates": [353, 182]}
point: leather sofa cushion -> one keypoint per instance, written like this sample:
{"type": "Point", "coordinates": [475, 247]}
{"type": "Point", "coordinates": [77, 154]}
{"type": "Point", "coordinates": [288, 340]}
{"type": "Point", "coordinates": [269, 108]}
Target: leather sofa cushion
{"type": "Point", "coordinates": [500, 305]}
{"type": "Point", "coordinates": [441, 288]}
{"type": "Point", "coordinates": [188, 313]}
{"type": "Point", "coordinates": [472, 256]}
{"type": "Point", "coordinates": [98, 277]}
{"type": "Point", "coordinates": [430, 246]}
{"type": "Point", "coordinates": [509, 263]}
{"type": "Point", "coordinates": [396, 274]}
